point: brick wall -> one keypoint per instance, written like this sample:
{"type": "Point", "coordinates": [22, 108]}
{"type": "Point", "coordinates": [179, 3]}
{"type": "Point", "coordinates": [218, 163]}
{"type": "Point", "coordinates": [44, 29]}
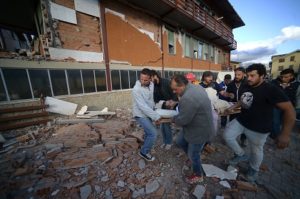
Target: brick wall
{"type": "Point", "coordinates": [85, 35]}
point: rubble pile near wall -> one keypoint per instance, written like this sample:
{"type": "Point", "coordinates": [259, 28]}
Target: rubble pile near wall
{"type": "Point", "coordinates": [81, 161]}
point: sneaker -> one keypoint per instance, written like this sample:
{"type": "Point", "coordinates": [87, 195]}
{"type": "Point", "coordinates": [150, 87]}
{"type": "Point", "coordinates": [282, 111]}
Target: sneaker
{"type": "Point", "coordinates": [162, 146]}
{"type": "Point", "coordinates": [193, 179]}
{"type": "Point", "coordinates": [237, 158]}
{"type": "Point", "coordinates": [251, 175]}
{"type": "Point", "coordinates": [147, 157]}
{"type": "Point", "coordinates": [168, 146]}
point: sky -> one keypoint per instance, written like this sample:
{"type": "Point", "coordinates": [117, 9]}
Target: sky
{"type": "Point", "coordinates": [272, 27]}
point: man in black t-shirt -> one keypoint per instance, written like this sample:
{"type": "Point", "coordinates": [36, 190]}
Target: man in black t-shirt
{"type": "Point", "coordinates": [255, 121]}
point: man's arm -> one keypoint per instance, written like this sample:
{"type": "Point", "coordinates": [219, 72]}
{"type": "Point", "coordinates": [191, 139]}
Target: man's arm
{"type": "Point", "coordinates": [289, 117]}
{"type": "Point", "coordinates": [186, 113]}
{"type": "Point", "coordinates": [148, 111]}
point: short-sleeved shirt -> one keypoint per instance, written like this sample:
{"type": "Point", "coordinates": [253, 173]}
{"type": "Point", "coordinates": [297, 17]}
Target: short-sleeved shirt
{"type": "Point", "coordinates": [257, 106]}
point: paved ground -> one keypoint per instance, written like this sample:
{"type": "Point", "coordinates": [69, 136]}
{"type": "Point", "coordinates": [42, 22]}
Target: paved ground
{"type": "Point", "coordinates": [279, 176]}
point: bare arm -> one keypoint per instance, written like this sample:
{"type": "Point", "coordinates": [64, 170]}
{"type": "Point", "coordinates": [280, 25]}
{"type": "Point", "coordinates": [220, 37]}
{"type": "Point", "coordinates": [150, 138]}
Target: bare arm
{"type": "Point", "coordinates": [289, 117]}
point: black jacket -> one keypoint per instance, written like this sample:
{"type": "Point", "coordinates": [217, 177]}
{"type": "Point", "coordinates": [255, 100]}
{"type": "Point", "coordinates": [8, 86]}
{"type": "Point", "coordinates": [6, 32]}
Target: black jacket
{"type": "Point", "coordinates": [290, 90]}
{"type": "Point", "coordinates": [163, 91]}
{"type": "Point", "coordinates": [237, 91]}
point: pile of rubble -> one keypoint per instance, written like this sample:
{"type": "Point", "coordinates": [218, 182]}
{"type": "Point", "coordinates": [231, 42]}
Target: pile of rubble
{"type": "Point", "coordinates": [82, 161]}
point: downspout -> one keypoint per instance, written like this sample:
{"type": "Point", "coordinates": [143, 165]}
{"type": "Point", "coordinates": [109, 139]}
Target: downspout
{"type": "Point", "coordinates": [105, 45]}
{"type": "Point", "coordinates": [162, 52]}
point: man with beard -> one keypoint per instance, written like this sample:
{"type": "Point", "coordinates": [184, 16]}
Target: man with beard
{"type": "Point", "coordinates": [163, 93]}
{"type": "Point", "coordinates": [143, 111]}
{"type": "Point", "coordinates": [255, 120]}
{"type": "Point", "coordinates": [195, 118]}
{"type": "Point", "coordinates": [234, 92]}
{"type": "Point", "coordinates": [289, 85]}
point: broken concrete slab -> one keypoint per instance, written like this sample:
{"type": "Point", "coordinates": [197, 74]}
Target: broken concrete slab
{"type": "Point", "coordinates": [152, 186]}
{"type": "Point", "coordinates": [213, 171]}
{"type": "Point", "coordinates": [142, 164]}
{"type": "Point", "coordinates": [199, 191]}
{"type": "Point", "coordinates": [60, 106]}
{"type": "Point", "coordinates": [85, 191]}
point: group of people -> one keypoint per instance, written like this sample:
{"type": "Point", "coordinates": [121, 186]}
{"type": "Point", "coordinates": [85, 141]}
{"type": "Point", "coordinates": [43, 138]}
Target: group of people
{"type": "Point", "coordinates": [256, 98]}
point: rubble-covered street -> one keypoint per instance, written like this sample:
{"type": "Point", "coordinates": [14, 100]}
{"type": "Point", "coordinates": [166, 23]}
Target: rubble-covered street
{"type": "Point", "coordinates": [100, 160]}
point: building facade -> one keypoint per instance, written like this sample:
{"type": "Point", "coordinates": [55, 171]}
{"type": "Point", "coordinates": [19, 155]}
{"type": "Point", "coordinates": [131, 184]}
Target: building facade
{"type": "Point", "coordinates": [76, 48]}
{"type": "Point", "coordinates": [284, 61]}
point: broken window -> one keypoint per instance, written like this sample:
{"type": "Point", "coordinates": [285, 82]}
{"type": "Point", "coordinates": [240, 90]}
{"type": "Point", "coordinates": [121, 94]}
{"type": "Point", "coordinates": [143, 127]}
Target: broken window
{"type": "Point", "coordinates": [2, 90]}
{"type": "Point", "coordinates": [124, 79]}
{"type": "Point", "coordinates": [59, 83]}
{"type": "Point", "coordinates": [88, 81]}
{"type": "Point", "coordinates": [171, 42]}
{"type": "Point", "coordinates": [212, 53]}
{"type": "Point", "coordinates": [74, 79]}
{"type": "Point", "coordinates": [205, 51]}
{"type": "Point", "coordinates": [187, 46]}
{"type": "Point", "coordinates": [115, 79]}
{"type": "Point", "coordinates": [100, 80]}
{"type": "Point", "coordinates": [40, 82]}
{"type": "Point", "coordinates": [17, 83]}
{"type": "Point", "coordinates": [133, 78]}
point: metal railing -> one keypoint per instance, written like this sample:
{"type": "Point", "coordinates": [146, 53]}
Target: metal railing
{"type": "Point", "coordinates": [197, 13]}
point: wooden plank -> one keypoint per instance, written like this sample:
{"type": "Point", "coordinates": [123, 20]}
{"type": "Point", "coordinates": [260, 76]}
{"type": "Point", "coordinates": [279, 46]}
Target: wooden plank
{"type": "Point", "coordinates": [89, 114]}
{"type": "Point", "coordinates": [76, 121]}
{"type": "Point", "coordinates": [23, 116]}
{"type": "Point", "coordinates": [21, 109]}
{"type": "Point", "coordinates": [22, 124]}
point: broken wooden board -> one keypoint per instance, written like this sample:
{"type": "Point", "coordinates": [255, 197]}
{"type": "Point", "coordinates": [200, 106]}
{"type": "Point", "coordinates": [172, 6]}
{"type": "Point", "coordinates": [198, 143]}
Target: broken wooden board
{"type": "Point", "coordinates": [76, 121]}
{"type": "Point", "coordinates": [90, 114]}
{"type": "Point", "coordinates": [60, 106]}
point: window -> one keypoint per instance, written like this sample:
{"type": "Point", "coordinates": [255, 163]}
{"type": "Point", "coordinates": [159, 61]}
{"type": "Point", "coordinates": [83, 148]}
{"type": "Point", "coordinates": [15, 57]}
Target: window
{"type": "Point", "coordinates": [124, 79]}
{"type": "Point", "coordinates": [40, 82]}
{"type": "Point", "coordinates": [88, 81]}
{"type": "Point", "coordinates": [59, 84]}
{"type": "Point", "coordinates": [292, 58]}
{"type": "Point", "coordinates": [291, 66]}
{"type": "Point", "coordinates": [17, 83]}
{"type": "Point", "coordinates": [115, 79]}
{"type": "Point", "coordinates": [200, 50]}
{"type": "Point", "coordinates": [2, 90]}
{"type": "Point", "coordinates": [211, 53]}
{"type": "Point", "coordinates": [205, 51]}
{"type": "Point", "coordinates": [133, 78]}
{"type": "Point", "coordinates": [74, 79]}
{"type": "Point", "coordinates": [195, 49]}
{"type": "Point", "coordinates": [171, 73]}
{"type": "Point", "coordinates": [187, 46]}
{"type": "Point", "coordinates": [281, 60]}
{"type": "Point", "coordinates": [100, 80]}
{"type": "Point", "coordinates": [280, 68]}
{"type": "Point", "coordinates": [171, 42]}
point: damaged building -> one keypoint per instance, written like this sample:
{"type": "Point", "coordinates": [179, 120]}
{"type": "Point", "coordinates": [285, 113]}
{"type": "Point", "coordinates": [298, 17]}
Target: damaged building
{"type": "Point", "coordinates": [91, 52]}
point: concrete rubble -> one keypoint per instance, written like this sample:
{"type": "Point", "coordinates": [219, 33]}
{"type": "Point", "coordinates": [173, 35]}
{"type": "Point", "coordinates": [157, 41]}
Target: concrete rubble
{"type": "Point", "coordinates": [100, 160]}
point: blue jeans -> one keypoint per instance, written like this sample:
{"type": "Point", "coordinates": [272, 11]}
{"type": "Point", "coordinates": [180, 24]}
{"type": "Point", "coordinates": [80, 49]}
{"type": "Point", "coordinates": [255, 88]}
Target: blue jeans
{"type": "Point", "coordinates": [277, 118]}
{"type": "Point", "coordinates": [166, 133]}
{"type": "Point", "coordinates": [193, 152]}
{"type": "Point", "coordinates": [256, 142]}
{"type": "Point", "coordinates": [150, 134]}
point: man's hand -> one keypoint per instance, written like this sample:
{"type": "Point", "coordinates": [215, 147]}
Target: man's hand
{"type": "Point", "coordinates": [283, 141]}
{"type": "Point", "coordinates": [157, 122]}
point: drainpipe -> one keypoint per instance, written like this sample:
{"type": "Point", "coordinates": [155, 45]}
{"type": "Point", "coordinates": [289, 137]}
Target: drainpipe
{"type": "Point", "coordinates": [105, 45]}
{"type": "Point", "coordinates": [162, 52]}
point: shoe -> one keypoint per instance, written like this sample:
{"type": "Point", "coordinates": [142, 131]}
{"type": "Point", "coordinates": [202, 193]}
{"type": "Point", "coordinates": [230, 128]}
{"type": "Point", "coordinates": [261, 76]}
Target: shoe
{"type": "Point", "coordinates": [193, 179]}
{"type": "Point", "coordinates": [251, 175]}
{"type": "Point", "coordinates": [147, 157]}
{"type": "Point", "coordinates": [162, 146]}
{"type": "Point", "coordinates": [236, 159]}
{"type": "Point", "coordinates": [168, 146]}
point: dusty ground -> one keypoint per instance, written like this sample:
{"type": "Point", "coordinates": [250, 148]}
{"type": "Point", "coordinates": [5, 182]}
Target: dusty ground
{"type": "Point", "coordinates": [101, 161]}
